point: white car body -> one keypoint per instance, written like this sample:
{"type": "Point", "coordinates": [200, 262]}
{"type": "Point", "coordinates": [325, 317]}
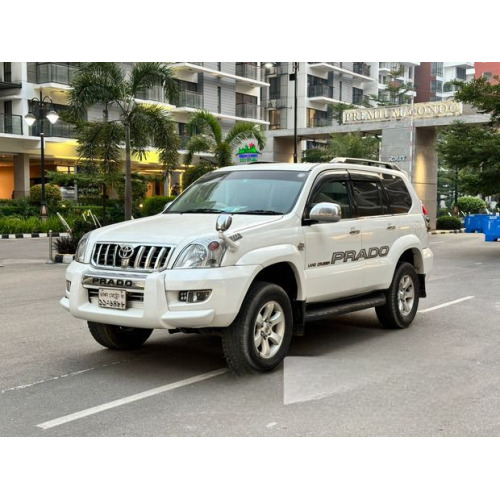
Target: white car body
{"type": "Point", "coordinates": [328, 261]}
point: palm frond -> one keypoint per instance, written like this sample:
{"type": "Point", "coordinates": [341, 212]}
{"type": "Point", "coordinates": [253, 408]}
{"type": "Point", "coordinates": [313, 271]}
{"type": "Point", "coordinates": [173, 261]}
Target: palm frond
{"type": "Point", "coordinates": [244, 131]}
{"type": "Point", "coordinates": [197, 144]}
{"type": "Point", "coordinates": [147, 75]}
{"type": "Point", "coordinates": [204, 122]}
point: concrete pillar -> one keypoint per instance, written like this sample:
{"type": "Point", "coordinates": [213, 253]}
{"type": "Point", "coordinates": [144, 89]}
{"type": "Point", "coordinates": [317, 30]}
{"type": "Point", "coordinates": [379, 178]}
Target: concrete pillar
{"type": "Point", "coordinates": [425, 170]}
{"type": "Point", "coordinates": [21, 176]}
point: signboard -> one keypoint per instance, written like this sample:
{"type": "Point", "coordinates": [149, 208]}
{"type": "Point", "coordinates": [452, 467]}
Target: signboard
{"type": "Point", "coordinates": [248, 153]}
{"type": "Point", "coordinates": [416, 111]}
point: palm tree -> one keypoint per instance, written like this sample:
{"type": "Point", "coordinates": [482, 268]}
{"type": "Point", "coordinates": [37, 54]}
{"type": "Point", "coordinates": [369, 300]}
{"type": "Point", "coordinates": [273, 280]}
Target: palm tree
{"type": "Point", "coordinates": [125, 121]}
{"type": "Point", "coordinates": [210, 138]}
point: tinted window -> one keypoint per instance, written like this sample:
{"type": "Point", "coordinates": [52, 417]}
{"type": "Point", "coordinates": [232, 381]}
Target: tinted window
{"type": "Point", "coordinates": [399, 197]}
{"type": "Point", "coordinates": [334, 191]}
{"type": "Point", "coordinates": [367, 195]}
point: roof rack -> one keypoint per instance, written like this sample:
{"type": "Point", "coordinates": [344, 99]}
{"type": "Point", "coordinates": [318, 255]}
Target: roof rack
{"type": "Point", "coordinates": [361, 161]}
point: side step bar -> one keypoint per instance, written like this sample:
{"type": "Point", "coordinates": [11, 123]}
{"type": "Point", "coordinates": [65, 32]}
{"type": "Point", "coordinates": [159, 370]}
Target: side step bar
{"type": "Point", "coordinates": [317, 312]}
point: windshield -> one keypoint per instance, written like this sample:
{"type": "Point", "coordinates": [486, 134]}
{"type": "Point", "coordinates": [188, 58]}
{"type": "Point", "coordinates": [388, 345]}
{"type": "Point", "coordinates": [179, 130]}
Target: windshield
{"type": "Point", "coordinates": [266, 192]}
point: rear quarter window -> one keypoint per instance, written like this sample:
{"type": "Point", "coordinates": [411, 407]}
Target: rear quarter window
{"type": "Point", "coordinates": [399, 197]}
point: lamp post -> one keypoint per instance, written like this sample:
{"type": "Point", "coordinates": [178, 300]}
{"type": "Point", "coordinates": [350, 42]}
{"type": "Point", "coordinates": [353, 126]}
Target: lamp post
{"type": "Point", "coordinates": [39, 110]}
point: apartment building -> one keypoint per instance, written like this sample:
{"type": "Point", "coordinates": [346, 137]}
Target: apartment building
{"type": "Point", "coordinates": [434, 80]}
{"type": "Point", "coordinates": [301, 96]}
{"type": "Point", "coordinates": [229, 90]}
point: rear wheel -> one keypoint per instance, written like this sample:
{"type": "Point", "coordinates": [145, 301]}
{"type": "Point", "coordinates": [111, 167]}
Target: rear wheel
{"type": "Point", "coordinates": [259, 337]}
{"type": "Point", "coordinates": [119, 338]}
{"type": "Point", "coordinates": [402, 298]}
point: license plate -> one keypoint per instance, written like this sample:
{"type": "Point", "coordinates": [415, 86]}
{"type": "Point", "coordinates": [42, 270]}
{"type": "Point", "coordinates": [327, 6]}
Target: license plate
{"type": "Point", "coordinates": [112, 298]}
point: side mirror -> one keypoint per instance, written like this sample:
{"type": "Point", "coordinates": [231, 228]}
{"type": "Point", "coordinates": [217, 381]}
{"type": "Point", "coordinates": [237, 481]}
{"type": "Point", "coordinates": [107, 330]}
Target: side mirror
{"type": "Point", "coordinates": [325, 212]}
{"type": "Point", "coordinates": [223, 223]}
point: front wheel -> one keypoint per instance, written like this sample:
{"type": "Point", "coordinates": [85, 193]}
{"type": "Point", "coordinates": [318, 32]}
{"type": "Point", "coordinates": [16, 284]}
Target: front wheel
{"type": "Point", "coordinates": [402, 298]}
{"type": "Point", "coordinates": [259, 337]}
{"type": "Point", "coordinates": [119, 338]}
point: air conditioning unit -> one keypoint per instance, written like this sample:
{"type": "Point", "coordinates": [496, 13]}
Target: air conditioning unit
{"type": "Point", "coordinates": [271, 103]}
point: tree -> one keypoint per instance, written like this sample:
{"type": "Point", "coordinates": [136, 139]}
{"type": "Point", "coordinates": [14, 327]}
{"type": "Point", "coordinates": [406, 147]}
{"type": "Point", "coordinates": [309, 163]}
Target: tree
{"type": "Point", "coordinates": [482, 94]}
{"type": "Point", "coordinates": [133, 125]}
{"type": "Point", "coordinates": [472, 152]}
{"type": "Point", "coordinates": [395, 92]}
{"type": "Point", "coordinates": [351, 145]}
{"type": "Point", "coordinates": [207, 136]}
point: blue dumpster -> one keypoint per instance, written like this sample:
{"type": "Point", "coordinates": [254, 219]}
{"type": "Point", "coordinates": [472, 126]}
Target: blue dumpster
{"type": "Point", "coordinates": [475, 223]}
{"type": "Point", "coordinates": [492, 228]}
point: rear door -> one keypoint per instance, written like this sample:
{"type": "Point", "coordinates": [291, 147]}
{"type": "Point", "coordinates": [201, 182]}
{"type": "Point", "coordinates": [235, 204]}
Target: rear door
{"type": "Point", "coordinates": [379, 229]}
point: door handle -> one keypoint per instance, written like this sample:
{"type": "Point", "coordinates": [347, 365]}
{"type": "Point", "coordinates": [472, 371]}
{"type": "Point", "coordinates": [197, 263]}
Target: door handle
{"type": "Point", "coordinates": [354, 231]}
{"type": "Point", "coordinates": [391, 227]}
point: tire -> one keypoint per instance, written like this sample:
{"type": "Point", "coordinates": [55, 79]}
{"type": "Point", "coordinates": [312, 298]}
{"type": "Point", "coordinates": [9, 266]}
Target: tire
{"type": "Point", "coordinates": [402, 298]}
{"type": "Point", "coordinates": [259, 337]}
{"type": "Point", "coordinates": [119, 338]}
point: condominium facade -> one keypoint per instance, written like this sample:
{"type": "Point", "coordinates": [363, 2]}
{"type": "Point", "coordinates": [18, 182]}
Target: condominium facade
{"type": "Point", "coordinates": [229, 90]}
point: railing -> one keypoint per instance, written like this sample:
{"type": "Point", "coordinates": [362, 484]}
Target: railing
{"type": "Point", "coordinates": [11, 124]}
{"type": "Point", "coordinates": [246, 110]}
{"type": "Point", "coordinates": [58, 129]}
{"type": "Point", "coordinates": [190, 99]}
{"type": "Point", "coordinates": [153, 94]}
{"type": "Point", "coordinates": [248, 70]}
{"type": "Point", "coordinates": [318, 122]}
{"type": "Point", "coordinates": [55, 73]}
{"type": "Point", "coordinates": [361, 68]}
{"type": "Point", "coordinates": [320, 91]}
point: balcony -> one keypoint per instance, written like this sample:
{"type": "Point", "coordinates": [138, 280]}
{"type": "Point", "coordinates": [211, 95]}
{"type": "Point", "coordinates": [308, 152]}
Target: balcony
{"type": "Point", "coordinates": [318, 122]}
{"type": "Point", "coordinates": [190, 99]}
{"type": "Point", "coordinates": [361, 68]}
{"type": "Point", "coordinates": [58, 129]}
{"type": "Point", "coordinates": [248, 70]}
{"type": "Point", "coordinates": [155, 94]}
{"type": "Point", "coordinates": [11, 124]}
{"type": "Point", "coordinates": [320, 91]}
{"type": "Point", "coordinates": [62, 74]}
{"type": "Point", "coordinates": [246, 110]}
{"type": "Point", "coordinates": [5, 85]}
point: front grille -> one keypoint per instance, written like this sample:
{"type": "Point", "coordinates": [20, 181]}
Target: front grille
{"type": "Point", "coordinates": [139, 257]}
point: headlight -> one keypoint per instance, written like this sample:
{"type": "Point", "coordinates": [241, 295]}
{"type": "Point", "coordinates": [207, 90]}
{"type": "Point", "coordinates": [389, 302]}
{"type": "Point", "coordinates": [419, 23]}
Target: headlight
{"type": "Point", "coordinates": [80, 249]}
{"type": "Point", "coordinates": [202, 253]}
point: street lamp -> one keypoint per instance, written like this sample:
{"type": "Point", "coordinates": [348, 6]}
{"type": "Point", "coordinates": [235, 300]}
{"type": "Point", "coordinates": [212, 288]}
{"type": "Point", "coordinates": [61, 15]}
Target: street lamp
{"type": "Point", "coordinates": [39, 110]}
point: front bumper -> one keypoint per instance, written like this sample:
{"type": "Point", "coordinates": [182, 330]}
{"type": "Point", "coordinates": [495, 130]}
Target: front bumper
{"type": "Point", "coordinates": [155, 296]}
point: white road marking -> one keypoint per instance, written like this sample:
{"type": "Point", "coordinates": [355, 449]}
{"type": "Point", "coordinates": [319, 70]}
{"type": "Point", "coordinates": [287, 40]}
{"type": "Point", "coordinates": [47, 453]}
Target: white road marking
{"type": "Point", "coordinates": [446, 304]}
{"type": "Point", "coordinates": [130, 399]}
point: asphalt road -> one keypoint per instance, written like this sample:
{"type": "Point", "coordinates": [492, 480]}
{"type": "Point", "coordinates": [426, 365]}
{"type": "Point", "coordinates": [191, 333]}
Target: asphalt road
{"type": "Point", "coordinates": [346, 377]}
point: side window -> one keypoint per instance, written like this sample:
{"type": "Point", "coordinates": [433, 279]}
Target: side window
{"type": "Point", "coordinates": [397, 192]}
{"type": "Point", "coordinates": [333, 189]}
{"type": "Point", "coordinates": [368, 198]}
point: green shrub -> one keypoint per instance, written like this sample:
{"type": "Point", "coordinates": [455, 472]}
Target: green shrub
{"type": "Point", "coordinates": [27, 225]}
{"type": "Point", "coordinates": [471, 205]}
{"type": "Point", "coordinates": [448, 222]}
{"type": "Point", "coordinates": [52, 194]}
{"type": "Point", "coordinates": [65, 244]}
{"type": "Point", "coordinates": [155, 205]}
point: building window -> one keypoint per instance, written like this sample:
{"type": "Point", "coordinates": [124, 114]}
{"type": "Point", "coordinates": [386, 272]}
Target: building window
{"type": "Point", "coordinates": [316, 118]}
{"type": "Point", "coordinates": [274, 88]}
{"type": "Point", "coordinates": [219, 100]}
{"type": "Point", "coordinates": [461, 74]}
{"type": "Point", "coordinates": [357, 95]}
{"type": "Point", "coordinates": [436, 86]}
{"type": "Point", "coordinates": [437, 69]}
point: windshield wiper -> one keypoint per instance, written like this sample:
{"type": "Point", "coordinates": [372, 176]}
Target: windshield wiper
{"type": "Point", "coordinates": [202, 211]}
{"type": "Point", "coordinates": [260, 212]}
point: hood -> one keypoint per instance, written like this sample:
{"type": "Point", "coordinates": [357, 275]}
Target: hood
{"type": "Point", "coordinates": [173, 228]}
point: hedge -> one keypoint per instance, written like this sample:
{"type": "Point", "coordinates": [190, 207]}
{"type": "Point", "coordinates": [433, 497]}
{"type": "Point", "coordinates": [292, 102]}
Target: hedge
{"type": "Point", "coordinates": [448, 222]}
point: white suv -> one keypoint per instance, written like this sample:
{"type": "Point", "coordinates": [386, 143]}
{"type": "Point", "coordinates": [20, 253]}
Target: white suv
{"type": "Point", "coordinates": [254, 252]}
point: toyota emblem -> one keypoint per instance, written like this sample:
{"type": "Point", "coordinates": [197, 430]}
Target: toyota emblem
{"type": "Point", "coordinates": [126, 251]}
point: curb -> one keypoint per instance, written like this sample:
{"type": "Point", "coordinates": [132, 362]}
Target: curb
{"type": "Point", "coordinates": [456, 231]}
{"type": "Point", "coordinates": [30, 235]}
{"type": "Point", "coordinates": [64, 258]}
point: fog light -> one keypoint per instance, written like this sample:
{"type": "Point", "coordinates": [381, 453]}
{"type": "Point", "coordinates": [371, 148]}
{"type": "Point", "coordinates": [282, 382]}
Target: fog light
{"type": "Point", "coordinates": [68, 286]}
{"type": "Point", "coordinates": [194, 295]}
